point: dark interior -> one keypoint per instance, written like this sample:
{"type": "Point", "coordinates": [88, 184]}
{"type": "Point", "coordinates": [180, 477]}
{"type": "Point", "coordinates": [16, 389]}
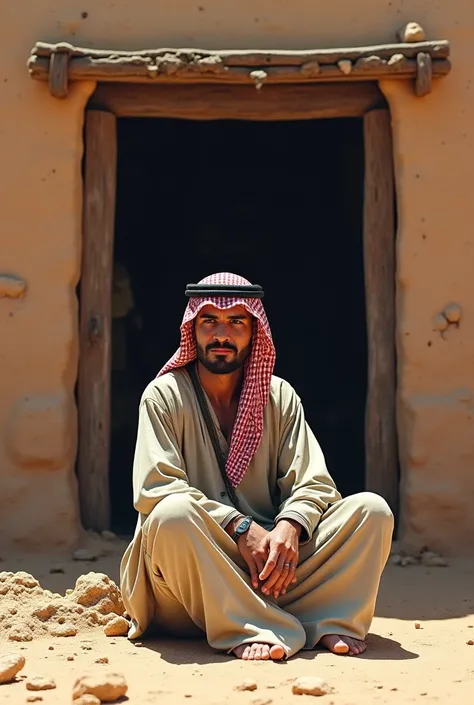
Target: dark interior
{"type": "Point", "coordinates": [279, 203]}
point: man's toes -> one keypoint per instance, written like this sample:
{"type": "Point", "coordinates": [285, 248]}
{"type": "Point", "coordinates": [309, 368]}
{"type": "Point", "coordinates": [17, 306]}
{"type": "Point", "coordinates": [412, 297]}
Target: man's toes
{"type": "Point", "coordinates": [277, 652]}
{"type": "Point", "coordinates": [259, 652]}
{"type": "Point", "coordinates": [251, 652]}
{"type": "Point", "coordinates": [360, 646]}
{"type": "Point", "coordinates": [356, 646]}
{"type": "Point", "coordinates": [343, 644]}
{"type": "Point", "coordinates": [246, 654]}
{"type": "Point", "coordinates": [243, 651]}
{"type": "Point", "coordinates": [334, 643]}
{"type": "Point", "coordinates": [341, 647]}
{"type": "Point", "coordinates": [353, 647]}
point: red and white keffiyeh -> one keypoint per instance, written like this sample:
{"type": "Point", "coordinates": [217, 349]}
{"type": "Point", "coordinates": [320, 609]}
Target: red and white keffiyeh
{"type": "Point", "coordinates": [258, 370]}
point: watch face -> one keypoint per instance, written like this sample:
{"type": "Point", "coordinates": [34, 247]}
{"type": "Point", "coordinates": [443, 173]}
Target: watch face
{"type": "Point", "coordinates": [243, 526]}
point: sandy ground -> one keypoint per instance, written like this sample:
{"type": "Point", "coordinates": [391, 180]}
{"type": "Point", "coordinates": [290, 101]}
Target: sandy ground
{"type": "Point", "coordinates": [403, 664]}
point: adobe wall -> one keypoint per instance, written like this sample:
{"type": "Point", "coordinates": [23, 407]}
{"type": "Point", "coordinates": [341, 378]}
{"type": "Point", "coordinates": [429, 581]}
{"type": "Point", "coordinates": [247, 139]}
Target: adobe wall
{"type": "Point", "coordinates": [40, 244]}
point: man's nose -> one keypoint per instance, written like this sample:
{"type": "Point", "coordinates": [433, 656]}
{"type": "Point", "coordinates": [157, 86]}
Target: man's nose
{"type": "Point", "coordinates": [221, 332]}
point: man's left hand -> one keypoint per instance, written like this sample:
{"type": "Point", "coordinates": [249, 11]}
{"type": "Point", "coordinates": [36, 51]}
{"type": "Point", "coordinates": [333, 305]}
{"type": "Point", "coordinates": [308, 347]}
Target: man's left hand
{"type": "Point", "coordinates": [283, 554]}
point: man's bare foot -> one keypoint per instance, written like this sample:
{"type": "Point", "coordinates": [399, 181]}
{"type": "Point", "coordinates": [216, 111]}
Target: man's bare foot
{"type": "Point", "coordinates": [343, 644]}
{"type": "Point", "coordinates": [259, 652]}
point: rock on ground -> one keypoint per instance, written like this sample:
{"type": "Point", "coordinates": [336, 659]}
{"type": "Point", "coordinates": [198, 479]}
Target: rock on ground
{"type": "Point", "coordinates": [99, 591]}
{"type": "Point", "coordinates": [21, 634]}
{"type": "Point", "coordinates": [64, 630]}
{"type": "Point", "coordinates": [40, 683]}
{"type": "Point", "coordinates": [84, 554]}
{"type": "Point", "coordinates": [27, 611]}
{"type": "Point", "coordinates": [87, 699]}
{"type": "Point", "coordinates": [248, 684]}
{"type": "Point", "coordinates": [118, 626]}
{"type": "Point", "coordinates": [10, 665]}
{"type": "Point", "coordinates": [106, 687]}
{"type": "Point", "coordinates": [310, 685]}
{"type": "Point", "coordinates": [56, 568]}
{"type": "Point", "coordinates": [430, 559]}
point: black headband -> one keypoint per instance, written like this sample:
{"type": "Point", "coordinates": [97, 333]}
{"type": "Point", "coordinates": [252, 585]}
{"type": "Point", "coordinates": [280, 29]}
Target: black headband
{"type": "Point", "coordinates": [243, 291]}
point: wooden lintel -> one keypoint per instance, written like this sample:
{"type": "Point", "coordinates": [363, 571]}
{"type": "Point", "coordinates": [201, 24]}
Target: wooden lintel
{"type": "Point", "coordinates": [216, 102]}
{"type": "Point", "coordinates": [370, 63]}
{"type": "Point", "coordinates": [251, 57]}
{"type": "Point", "coordinates": [130, 71]}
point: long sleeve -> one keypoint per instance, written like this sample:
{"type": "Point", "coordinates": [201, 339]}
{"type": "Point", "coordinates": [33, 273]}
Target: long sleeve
{"type": "Point", "coordinates": [159, 467]}
{"type": "Point", "coordinates": [306, 487]}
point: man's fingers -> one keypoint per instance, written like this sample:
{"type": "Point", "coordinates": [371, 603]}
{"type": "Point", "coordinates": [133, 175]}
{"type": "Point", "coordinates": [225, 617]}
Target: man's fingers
{"type": "Point", "coordinates": [270, 565]}
{"type": "Point", "coordinates": [286, 577]}
{"type": "Point", "coordinates": [290, 578]}
{"type": "Point", "coordinates": [275, 574]}
{"type": "Point", "coordinates": [252, 566]}
{"type": "Point", "coordinates": [260, 557]}
{"type": "Point", "coordinates": [260, 563]}
{"type": "Point", "coordinates": [255, 570]}
{"type": "Point", "coordinates": [278, 587]}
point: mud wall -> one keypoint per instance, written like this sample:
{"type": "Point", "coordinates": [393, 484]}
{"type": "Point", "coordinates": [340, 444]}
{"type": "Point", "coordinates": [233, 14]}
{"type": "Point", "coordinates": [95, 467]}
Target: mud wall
{"type": "Point", "coordinates": [40, 245]}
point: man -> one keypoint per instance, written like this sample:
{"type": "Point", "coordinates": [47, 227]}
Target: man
{"type": "Point", "coordinates": [244, 538]}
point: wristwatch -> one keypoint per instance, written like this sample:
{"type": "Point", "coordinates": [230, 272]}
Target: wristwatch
{"type": "Point", "coordinates": [242, 527]}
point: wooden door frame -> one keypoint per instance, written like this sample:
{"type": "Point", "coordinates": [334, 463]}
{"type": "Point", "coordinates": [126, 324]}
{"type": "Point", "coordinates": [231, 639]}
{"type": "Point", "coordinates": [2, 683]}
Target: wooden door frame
{"type": "Point", "coordinates": [209, 101]}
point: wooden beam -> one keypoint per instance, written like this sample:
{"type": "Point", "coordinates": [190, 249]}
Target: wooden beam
{"type": "Point", "coordinates": [379, 267]}
{"type": "Point", "coordinates": [95, 318]}
{"type": "Point", "coordinates": [140, 70]}
{"type": "Point", "coordinates": [250, 57]}
{"type": "Point", "coordinates": [215, 102]}
{"type": "Point", "coordinates": [258, 67]}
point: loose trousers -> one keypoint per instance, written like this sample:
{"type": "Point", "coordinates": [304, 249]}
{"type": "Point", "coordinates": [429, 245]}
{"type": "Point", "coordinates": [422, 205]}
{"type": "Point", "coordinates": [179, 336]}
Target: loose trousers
{"type": "Point", "coordinates": [201, 584]}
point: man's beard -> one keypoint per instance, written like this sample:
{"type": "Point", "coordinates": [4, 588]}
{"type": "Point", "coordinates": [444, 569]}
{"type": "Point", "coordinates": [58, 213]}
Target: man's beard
{"type": "Point", "coordinates": [220, 365]}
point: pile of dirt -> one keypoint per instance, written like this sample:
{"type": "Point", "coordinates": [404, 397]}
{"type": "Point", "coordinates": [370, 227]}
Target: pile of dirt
{"type": "Point", "coordinates": [27, 611]}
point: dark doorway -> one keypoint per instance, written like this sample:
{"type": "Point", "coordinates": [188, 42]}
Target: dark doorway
{"type": "Point", "coordinates": [279, 203]}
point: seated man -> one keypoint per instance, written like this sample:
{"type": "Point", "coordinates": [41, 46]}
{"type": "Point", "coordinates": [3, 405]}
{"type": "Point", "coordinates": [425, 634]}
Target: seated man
{"type": "Point", "coordinates": [242, 534]}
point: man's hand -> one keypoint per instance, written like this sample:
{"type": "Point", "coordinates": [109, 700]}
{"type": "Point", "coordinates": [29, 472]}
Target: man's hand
{"type": "Point", "coordinates": [253, 548]}
{"type": "Point", "coordinates": [283, 554]}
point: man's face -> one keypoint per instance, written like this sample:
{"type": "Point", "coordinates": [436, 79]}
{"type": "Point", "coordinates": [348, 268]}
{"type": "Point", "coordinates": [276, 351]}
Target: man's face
{"type": "Point", "coordinates": [223, 338]}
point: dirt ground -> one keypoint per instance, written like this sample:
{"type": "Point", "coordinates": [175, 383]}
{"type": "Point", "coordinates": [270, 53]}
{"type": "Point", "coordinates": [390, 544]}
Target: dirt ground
{"type": "Point", "coordinates": [403, 663]}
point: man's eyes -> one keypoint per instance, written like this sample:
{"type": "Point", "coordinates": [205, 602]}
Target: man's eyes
{"type": "Point", "coordinates": [238, 321]}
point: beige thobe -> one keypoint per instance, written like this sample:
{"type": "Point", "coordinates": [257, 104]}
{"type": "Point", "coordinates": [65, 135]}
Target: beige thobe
{"type": "Point", "coordinates": [182, 571]}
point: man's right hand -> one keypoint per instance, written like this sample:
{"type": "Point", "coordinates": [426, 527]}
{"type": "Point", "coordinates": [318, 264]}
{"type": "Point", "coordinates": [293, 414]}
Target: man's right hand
{"type": "Point", "coordinates": [253, 548]}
